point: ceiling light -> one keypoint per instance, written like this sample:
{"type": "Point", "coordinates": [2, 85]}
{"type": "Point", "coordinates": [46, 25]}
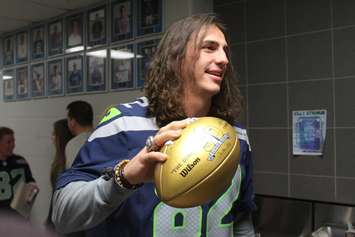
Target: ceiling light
{"type": "Point", "coordinates": [6, 77]}
{"type": "Point", "coordinates": [75, 49]}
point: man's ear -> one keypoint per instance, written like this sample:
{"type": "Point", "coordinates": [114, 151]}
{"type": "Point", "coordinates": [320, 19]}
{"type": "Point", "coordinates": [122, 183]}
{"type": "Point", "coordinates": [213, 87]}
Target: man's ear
{"type": "Point", "coordinates": [71, 123]}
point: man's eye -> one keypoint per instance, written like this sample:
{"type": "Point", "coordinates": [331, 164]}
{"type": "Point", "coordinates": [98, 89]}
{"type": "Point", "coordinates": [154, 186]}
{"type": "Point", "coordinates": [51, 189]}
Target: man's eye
{"type": "Point", "coordinates": [208, 47]}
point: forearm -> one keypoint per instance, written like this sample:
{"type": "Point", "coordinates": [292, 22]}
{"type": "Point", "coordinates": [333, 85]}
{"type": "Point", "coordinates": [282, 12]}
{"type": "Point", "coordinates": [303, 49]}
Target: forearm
{"type": "Point", "coordinates": [82, 205]}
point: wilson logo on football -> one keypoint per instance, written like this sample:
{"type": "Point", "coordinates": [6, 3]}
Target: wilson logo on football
{"type": "Point", "coordinates": [189, 167]}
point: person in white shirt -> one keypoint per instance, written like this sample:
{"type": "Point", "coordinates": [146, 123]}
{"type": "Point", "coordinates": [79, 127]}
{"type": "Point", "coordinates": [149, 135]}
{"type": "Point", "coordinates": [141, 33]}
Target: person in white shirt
{"type": "Point", "coordinates": [80, 123]}
{"type": "Point", "coordinates": [75, 34]}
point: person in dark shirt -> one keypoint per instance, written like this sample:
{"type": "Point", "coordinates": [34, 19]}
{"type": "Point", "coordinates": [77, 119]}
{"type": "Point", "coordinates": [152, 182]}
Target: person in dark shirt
{"type": "Point", "coordinates": [55, 38]}
{"type": "Point", "coordinates": [14, 169]}
{"type": "Point", "coordinates": [75, 77]}
{"type": "Point", "coordinates": [38, 44]}
{"type": "Point", "coordinates": [97, 28]}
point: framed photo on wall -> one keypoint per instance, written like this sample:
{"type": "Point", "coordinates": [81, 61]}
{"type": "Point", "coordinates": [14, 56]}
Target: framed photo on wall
{"type": "Point", "coordinates": [96, 73]}
{"type": "Point", "coordinates": [122, 59]}
{"type": "Point", "coordinates": [22, 91]}
{"type": "Point", "coordinates": [37, 80]}
{"type": "Point", "coordinates": [122, 15]}
{"type": "Point", "coordinates": [149, 16]}
{"type": "Point", "coordinates": [145, 52]}
{"type": "Point", "coordinates": [74, 74]}
{"type": "Point", "coordinates": [55, 37]}
{"type": "Point", "coordinates": [37, 43]}
{"type": "Point", "coordinates": [8, 78]}
{"type": "Point", "coordinates": [8, 49]}
{"type": "Point", "coordinates": [96, 26]}
{"type": "Point", "coordinates": [74, 30]}
{"type": "Point", "coordinates": [55, 77]}
{"type": "Point", "coordinates": [21, 47]}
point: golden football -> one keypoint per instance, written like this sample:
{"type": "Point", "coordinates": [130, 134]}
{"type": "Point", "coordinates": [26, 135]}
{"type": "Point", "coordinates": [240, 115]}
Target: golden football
{"type": "Point", "coordinates": [201, 163]}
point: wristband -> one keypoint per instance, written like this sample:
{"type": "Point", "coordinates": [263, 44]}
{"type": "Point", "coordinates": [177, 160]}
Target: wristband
{"type": "Point", "coordinates": [120, 178]}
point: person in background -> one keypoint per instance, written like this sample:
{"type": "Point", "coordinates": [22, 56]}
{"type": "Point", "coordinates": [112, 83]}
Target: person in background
{"type": "Point", "coordinates": [97, 28]}
{"type": "Point", "coordinates": [60, 137]}
{"type": "Point", "coordinates": [55, 37]}
{"type": "Point", "coordinates": [22, 47]}
{"type": "Point", "coordinates": [75, 33]}
{"type": "Point", "coordinates": [8, 52]}
{"type": "Point", "coordinates": [14, 169]}
{"type": "Point", "coordinates": [75, 77]}
{"type": "Point", "coordinates": [122, 24]}
{"type": "Point", "coordinates": [38, 44]}
{"type": "Point", "coordinates": [80, 119]}
{"type": "Point", "coordinates": [55, 81]}
{"type": "Point", "coordinates": [37, 83]}
{"type": "Point", "coordinates": [96, 75]}
{"type": "Point", "coordinates": [190, 76]}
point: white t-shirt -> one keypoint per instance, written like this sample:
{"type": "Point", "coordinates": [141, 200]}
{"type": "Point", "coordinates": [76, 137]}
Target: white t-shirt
{"type": "Point", "coordinates": [73, 146]}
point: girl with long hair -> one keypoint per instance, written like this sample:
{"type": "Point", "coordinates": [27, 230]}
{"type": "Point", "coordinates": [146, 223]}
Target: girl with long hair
{"type": "Point", "coordinates": [61, 136]}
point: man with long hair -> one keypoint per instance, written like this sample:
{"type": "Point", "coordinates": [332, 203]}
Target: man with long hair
{"type": "Point", "coordinates": [190, 76]}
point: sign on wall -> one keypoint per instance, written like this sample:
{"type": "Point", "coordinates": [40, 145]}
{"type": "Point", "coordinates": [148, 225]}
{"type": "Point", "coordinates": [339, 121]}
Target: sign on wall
{"type": "Point", "coordinates": [309, 132]}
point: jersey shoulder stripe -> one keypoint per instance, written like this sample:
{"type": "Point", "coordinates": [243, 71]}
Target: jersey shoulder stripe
{"type": "Point", "coordinates": [130, 117]}
{"type": "Point", "coordinates": [124, 124]}
{"type": "Point", "coordinates": [142, 102]}
{"type": "Point", "coordinates": [135, 108]}
{"type": "Point", "coordinates": [242, 135]}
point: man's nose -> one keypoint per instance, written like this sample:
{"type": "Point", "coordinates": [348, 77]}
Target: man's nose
{"type": "Point", "coordinates": [222, 58]}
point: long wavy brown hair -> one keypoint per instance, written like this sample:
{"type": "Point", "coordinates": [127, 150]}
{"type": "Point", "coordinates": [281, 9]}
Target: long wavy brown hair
{"type": "Point", "coordinates": [62, 136]}
{"type": "Point", "coordinates": [164, 83]}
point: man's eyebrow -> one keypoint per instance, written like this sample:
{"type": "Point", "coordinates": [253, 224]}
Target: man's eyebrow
{"type": "Point", "coordinates": [210, 42]}
{"type": "Point", "coordinates": [214, 42]}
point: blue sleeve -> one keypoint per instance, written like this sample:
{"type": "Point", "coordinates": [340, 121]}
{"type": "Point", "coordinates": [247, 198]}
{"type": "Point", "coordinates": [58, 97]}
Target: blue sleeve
{"type": "Point", "coordinates": [245, 202]}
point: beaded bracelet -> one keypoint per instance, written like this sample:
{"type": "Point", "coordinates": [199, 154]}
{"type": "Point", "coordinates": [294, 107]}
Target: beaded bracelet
{"type": "Point", "coordinates": [120, 178]}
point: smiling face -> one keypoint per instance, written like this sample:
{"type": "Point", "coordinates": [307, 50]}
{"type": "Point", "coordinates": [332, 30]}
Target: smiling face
{"type": "Point", "coordinates": [205, 62]}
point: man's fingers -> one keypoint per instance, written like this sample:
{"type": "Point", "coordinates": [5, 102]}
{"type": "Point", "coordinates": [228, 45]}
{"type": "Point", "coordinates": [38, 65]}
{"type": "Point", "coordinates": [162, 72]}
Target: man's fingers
{"type": "Point", "coordinates": [175, 125]}
{"type": "Point", "coordinates": [155, 156]}
{"type": "Point", "coordinates": [162, 137]}
{"type": "Point", "coordinates": [169, 132]}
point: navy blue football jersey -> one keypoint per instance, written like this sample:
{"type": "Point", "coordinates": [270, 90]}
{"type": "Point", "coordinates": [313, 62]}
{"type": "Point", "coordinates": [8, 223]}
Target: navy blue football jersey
{"type": "Point", "coordinates": [13, 171]}
{"type": "Point", "coordinates": [121, 134]}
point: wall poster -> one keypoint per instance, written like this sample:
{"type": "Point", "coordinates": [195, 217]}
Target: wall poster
{"type": "Point", "coordinates": [308, 132]}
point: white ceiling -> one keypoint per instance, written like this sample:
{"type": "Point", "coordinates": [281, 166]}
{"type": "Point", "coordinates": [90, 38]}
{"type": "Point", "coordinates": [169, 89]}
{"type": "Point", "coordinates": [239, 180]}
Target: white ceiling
{"type": "Point", "coordinates": [15, 14]}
